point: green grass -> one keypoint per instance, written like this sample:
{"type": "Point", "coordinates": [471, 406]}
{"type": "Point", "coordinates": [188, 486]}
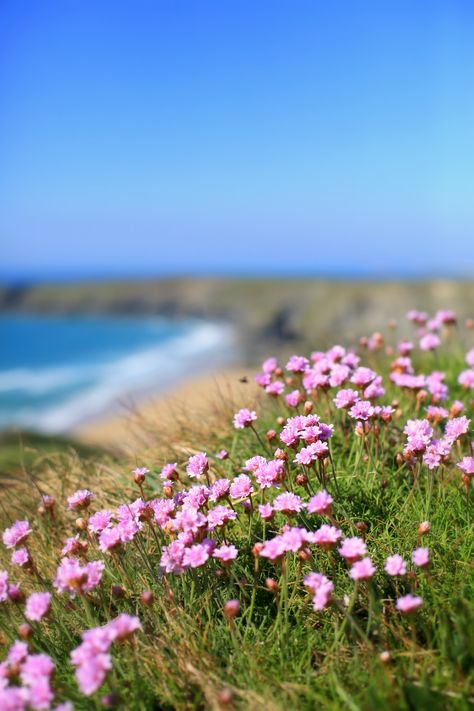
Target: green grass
{"type": "Point", "coordinates": [278, 653]}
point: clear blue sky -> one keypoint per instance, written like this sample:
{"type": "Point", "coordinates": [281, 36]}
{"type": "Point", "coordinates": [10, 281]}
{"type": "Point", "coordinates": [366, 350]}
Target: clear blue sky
{"type": "Point", "coordinates": [236, 136]}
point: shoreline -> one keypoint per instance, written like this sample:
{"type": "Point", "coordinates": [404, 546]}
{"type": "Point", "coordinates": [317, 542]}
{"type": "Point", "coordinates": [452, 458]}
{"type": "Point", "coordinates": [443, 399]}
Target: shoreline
{"type": "Point", "coordinates": [200, 398]}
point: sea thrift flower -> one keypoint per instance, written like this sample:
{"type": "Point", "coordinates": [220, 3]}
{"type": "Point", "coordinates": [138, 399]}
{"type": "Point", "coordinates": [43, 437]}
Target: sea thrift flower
{"type": "Point", "coordinates": [222, 454]}
{"type": "Point", "coordinates": [16, 534]}
{"type": "Point", "coordinates": [430, 342]}
{"type": "Point", "coordinates": [196, 556]}
{"type": "Point", "coordinates": [352, 549]}
{"type": "Point", "coordinates": [37, 606]}
{"type": "Point", "coordinates": [362, 410]}
{"type": "Point", "coordinates": [362, 569]}
{"type": "Point", "coordinates": [266, 511]}
{"type": "Point", "coordinates": [231, 609]}
{"type": "Point", "coordinates": [197, 465]}
{"type": "Point", "coordinates": [467, 465]}
{"type": "Point", "coordinates": [297, 364]}
{"type": "Point", "coordinates": [363, 376]}
{"type": "Point", "coordinates": [320, 504]}
{"type": "Point", "coordinates": [244, 418]}
{"type": "Point", "coordinates": [269, 365]}
{"type": "Point", "coordinates": [456, 427]}
{"type": "Point", "coordinates": [100, 520]}
{"type": "Point", "coordinates": [80, 499]}
{"type": "Point", "coordinates": [219, 516]}
{"type": "Point", "coordinates": [395, 565]}
{"type": "Point", "coordinates": [3, 585]}
{"type": "Point", "coordinates": [294, 398]}
{"type": "Point", "coordinates": [345, 399]}
{"type": "Point", "coordinates": [226, 554]}
{"type": "Point", "coordinates": [20, 557]}
{"type": "Point", "coordinates": [74, 546]}
{"type": "Point", "coordinates": [408, 603]}
{"type": "Point", "coordinates": [270, 473]}
{"type": "Point", "coordinates": [109, 539]}
{"type": "Point", "coordinates": [321, 587]}
{"type": "Point", "coordinates": [122, 627]}
{"type": "Point", "coordinates": [326, 536]}
{"type": "Point", "coordinates": [276, 388]}
{"type": "Point", "coordinates": [421, 557]}
{"type": "Point", "coordinates": [219, 489]}
{"type": "Point", "coordinates": [72, 577]}
{"type": "Point", "coordinates": [288, 503]}
{"type": "Point", "coordinates": [241, 487]}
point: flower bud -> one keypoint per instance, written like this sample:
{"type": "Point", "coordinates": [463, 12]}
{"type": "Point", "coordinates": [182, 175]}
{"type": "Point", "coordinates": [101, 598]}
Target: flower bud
{"type": "Point", "coordinates": [423, 527]}
{"type": "Point", "coordinates": [117, 591]}
{"type": "Point", "coordinates": [301, 479]}
{"type": "Point", "coordinates": [361, 526]}
{"type": "Point", "coordinates": [271, 585]}
{"type": "Point", "coordinates": [271, 434]}
{"type": "Point", "coordinates": [168, 492]}
{"type": "Point", "coordinates": [225, 696]}
{"type": "Point", "coordinates": [385, 656]}
{"type": "Point", "coordinates": [256, 549]}
{"type": "Point", "coordinates": [308, 407]}
{"type": "Point", "coordinates": [25, 631]}
{"type": "Point", "coordinates": [147, 598]}
{"type": "Point", "coordinates": [281, 421]}
{"type": "Point", "coordinates": [231, 609]}
{"type": "Point", "coordinates": [81, 524]}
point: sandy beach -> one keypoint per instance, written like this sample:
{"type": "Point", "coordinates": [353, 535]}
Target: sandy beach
{"type": "Point", "coordinates": [197, 402]}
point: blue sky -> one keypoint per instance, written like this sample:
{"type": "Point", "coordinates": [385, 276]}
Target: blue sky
{"type": "Point", "coordinates": [236, 136]}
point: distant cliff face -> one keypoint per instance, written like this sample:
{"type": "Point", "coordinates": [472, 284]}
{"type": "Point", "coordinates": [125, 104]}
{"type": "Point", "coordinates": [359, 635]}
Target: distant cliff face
{"type": "Point", "coordinates": [283, 314]}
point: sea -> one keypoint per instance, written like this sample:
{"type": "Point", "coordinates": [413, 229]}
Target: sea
{"type": "Point", "coordinates": [57, 372]}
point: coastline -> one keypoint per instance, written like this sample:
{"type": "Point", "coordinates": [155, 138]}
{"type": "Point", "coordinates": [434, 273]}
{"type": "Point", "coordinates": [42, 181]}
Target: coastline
{"type": "Point", "coordinates": [199, 398]}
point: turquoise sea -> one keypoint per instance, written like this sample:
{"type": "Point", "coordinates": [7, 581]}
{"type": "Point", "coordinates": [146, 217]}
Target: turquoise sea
{"type": "Point", "coordinates": [58, 371]}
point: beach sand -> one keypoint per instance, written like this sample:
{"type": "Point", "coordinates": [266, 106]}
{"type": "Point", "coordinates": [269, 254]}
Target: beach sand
{"type": "Point", "coordinates": [197, 403]}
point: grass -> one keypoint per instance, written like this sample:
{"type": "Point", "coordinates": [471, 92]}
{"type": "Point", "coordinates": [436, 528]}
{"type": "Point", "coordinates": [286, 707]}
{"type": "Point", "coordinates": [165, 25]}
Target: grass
{"type": "Point", "coordinates": [358, 653]}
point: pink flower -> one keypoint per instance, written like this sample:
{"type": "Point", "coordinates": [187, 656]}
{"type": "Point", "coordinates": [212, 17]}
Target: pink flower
{"type": "Point", "coordinates": [74, 546]}
{"type": "Point", "coordinates": [80, 499]}
{"type": "Point", "coordinates": [320, 503]}
{"type": "Point", "coordinates": [20, 557]}
{"type": "Point", "coordinates": [362, 410]}
{"type": "Point", "coordinates": [37, 606]}
{"type": "Point", "coordinates": [363, 376]}
{"type": "Point", "coordinates": [311, 453]}
{"type": "Point", "coordinates": [466, 378]}
{"type": "Point", "coordinates": [288, 503]}
{"type": "Point", "coordinates": [345, 399]}
{"type": "Point", "coordinates": [418, 317]}
{"type": "Point", "coordinates": [362, 569]}
{"type": "Point", "coordinates": [421, 557]}
{"type": "Point", "coordinates": [326, 536]}
{"type": "Point", "coordinates": [294, 398]}
{"type": "Point", "coordinates": [430, 342]}
{"type": "Point", "coordinates": [109, 539]}
{"type": "Point", "coordinates": [219, 516]}
{"type": "Point", "coordinates": [241, 487]}
{"type": "Point", "coordinates": [222, 454]}
{"type": "Point", "coordinates": [321, 587]}
{"type": "Point", "coordinates": [408, 603]}
{"type": "Point", "coordinates": [269, 473]}
{"type": "Point", "coordinates": [16, 534]}
{"type": "Point", "coordinates": [266, 511]}
{"type": "Point", "coordinates": [219, 489]}
{"type": "Point", "coordinates": [226, 554]}
{"type": "Point", "coordinates": [196, 556]}
{"type": "Point", "coordinates": [467, 465]}
{"type": "Point", "coordinates": [273, 549]}
{"type": "Point", "coordinates": [100, 520]}
{"type": "Point", "coordinates": [3, 585]}
{"type": "Point", "coordinates": [269, 365]}
{"type": "Point", "coordinates": [352, 549]}
{"type": "Point", "coordinates": [456, 427]}
{"type": "Point", "coordinates": [395, 565]}
{"type": "Point", "coordinates": [197, 465]}
{"type": "Point", "coordinates": [72, 577]}
{"type": "Point", "coordinates": [276, 388]}
{"type": "Point", "coordinates": [122, 627]}
{"type": "Point", "coordinates": [169, 472]}
{"type": "Point", "coordinates": [244, 418]}
{"type": "Point", "coordinates": [297, 364]}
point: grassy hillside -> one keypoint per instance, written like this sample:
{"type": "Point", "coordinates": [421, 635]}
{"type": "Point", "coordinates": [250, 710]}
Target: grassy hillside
{"type": "Point", "coordinates": [309, 566]}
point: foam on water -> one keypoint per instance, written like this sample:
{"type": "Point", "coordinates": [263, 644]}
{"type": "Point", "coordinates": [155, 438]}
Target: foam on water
{"type": "Point", "coordinates": [55, 398]}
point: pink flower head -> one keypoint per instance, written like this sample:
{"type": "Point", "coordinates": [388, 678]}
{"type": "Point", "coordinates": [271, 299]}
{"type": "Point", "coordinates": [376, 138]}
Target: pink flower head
{"type": "Point", "coordinates": [408, 603]}
{"type": "Point", "coordinates": [110, 538]}
{"type": "Point", "coordinates": [429, 342]}
{"type": "Point", "coordinates": [169, 472]}
{"type": "Point", "coordinates": [16, 534]}
{"type": "Point", "coordinates": [222, 454]}
{"type": "Point", "coordinates": [20, 557]}
{"type": "Point", "coordinates": [276, 388]}
{"type": "Point", "coordinates": [326, 536]}
{"type": "Point", "coordinates": [288, 503]}
{"type": "Point", "coordinates": [294, 398]}
{"type": "Point", "coordinates": [352, 549]}
{"type": "Point", "coordinates": [418, 317]}
{"type": "Point", "coordinates": [241, 487]}
{"type": "Point", "coordinates": [270, 473]}
{"type": "Point", "coordinates": [140, 471]}
{"type": "Point", "coordinates": [421, 557]}
{"type": "Point", "coordinates": [362, 410]}
{"type": "Point", "coordinates": [3, 585]}
{"type": "Point", "coordinates": [196, 556]}
{"type": "Point", "coordinates": [363, 376]}
{"type": "Point", "coordinates": [266, 511]}
{"type": "Point", "coordinates": [320, 503]}
{"type": "Point", "coordinates": [395, 565]}
{"type": "Point", "coordinates": [38, 605]}
{"type": "Point", "coordinates": [467, 465]}
{"type": "Point", "coordinates": [80, 499]}
{"type": "Point", "coordinates": [100, 520]}
{"type": "Point", "coordinates": [197, 465]}
{"type": "Point", "coordinates": [72, 577]}
{"type": "Point", "coordinates": [345, 399]}
{"type": "Point", "coordinates": [362, 569]}
{"type": "Point", "coordinates": [219, 489]}
{"type": "Point", "coordinates": [244, 418]}
{"type": "Point", "coordinates": [122, 627]}
{"type": "Point", "coordinates": [466, 378]}
{"type": "Point", "coordinates": [297, 364]}
{"type": "Point", "coordinates": [273, 549]}
{"type": "Point", "coordinates": [219, 516]}
{"type": "Point", "coordinates": [269, 365]}
{"type": "Point", "coordinates": [74, 546]}
{"type": "Point", "coordinates": [321, 587]}
{"type": "Point", "coordinates": [457, 427]}
{"type": "Point", "coordinates": [226, 554]}
{"type": "Point", "coordinates": [405, 347]}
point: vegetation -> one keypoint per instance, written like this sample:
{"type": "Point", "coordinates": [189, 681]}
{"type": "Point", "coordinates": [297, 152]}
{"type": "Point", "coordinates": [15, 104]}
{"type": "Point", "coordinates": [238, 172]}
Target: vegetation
{"type": "Point", "coordinates": [316, 551]}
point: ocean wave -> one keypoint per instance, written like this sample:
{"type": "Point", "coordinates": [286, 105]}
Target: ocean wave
{"type": "Point", "coordinates": [155, 368]}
